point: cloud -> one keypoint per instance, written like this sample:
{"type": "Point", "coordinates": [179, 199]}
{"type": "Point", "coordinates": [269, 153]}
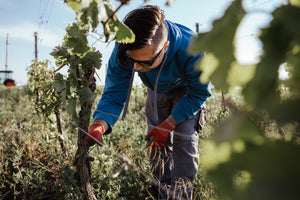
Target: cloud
{"type": "Point", "coordinates": [25, 31]}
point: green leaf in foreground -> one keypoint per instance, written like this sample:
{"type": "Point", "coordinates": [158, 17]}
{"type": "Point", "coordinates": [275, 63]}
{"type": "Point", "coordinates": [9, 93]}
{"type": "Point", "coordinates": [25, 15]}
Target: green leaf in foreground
{"type": "Point", "coordinates": [219, 44]}
{"type": "Point", "coordinates": [281, 36]}
{"type": "Point", "coordinates": [245, 164]}
{"type": "Point", "coordinates": [270, 173]}
{"type": "Point", "coordinates": [295, 2]}
{"type": "Point", "coordinates": [240, 75]}
{"type": "Point", "coordinates": [285, 112]}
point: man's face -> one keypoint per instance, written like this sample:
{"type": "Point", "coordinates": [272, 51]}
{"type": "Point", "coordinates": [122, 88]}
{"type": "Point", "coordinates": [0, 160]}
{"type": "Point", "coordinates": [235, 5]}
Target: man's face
{"type": "Point", "coordinates": [146, 55]}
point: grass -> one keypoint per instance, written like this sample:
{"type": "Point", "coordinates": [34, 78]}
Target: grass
{"type": "Point", "coordinates": [33, 166]}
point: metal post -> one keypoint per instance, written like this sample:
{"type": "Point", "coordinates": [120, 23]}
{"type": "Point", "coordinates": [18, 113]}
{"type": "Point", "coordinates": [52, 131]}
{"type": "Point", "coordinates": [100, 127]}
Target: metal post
{"type": "Point", "coordinates": [6, 52]}
{"type": "Point", "coordinates": [6, 61]}
{"type": "Point", "coordinates": [35, 42]}
{"type": "Point", "coordinates": [197, 28]}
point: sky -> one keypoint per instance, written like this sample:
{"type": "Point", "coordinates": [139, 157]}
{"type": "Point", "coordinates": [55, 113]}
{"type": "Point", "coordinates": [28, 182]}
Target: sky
{"type": "Point", "coordinates": [49, 18]}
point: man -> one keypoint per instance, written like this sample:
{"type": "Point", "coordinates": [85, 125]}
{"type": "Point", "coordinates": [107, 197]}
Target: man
{"type": "Point", "coordinates": [175, 97]}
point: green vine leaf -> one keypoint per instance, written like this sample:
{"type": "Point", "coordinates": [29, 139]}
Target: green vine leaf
{"type": "Point", "coordinates": [59, 83]}
{"type": "Point", "coordinates": [91, 59]}
{"type": "Point", "coordinates": [281, 36]}
{"type": "Point", "coordinates": [220, 43]}
{"type": "Point", "coordinates": [89, 14]}
{"type": "Point", "coordinates": [209, 60]}
{"type": "Point", "coordinates": [260, 176]}
{"type": "Point", "coordinates": [288, 111]}
{"type": "Point", "coordinates": [76, 38]}
{"type": "Point", "coordinates": [124, 34]}
{"type": "Point", "coordinates": [60, 52]}
{"type": "Point", "coordinates": [74, 4]}
{"type": "Point", "coordinates": [295, 2]}
{"type": "Point", "coordinates": [240, 75]}
{"type": "Point", "coordinates": [108, 8]}
{"type": "Point", "coordinates": [86, 96]}
{"type": "Point", "coordinates": [72, 76]}
{"type": "Point", "coordinates": [62, 86]}
{"type": "Point", "coordinates": [71, 108]}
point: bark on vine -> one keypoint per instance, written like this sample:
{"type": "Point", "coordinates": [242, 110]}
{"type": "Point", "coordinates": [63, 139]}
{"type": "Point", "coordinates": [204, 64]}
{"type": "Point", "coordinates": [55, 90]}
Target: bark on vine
{"type": "Point", "coordinates": [83, 163]}
{"type": "Point", "coordinates": [59, 129]}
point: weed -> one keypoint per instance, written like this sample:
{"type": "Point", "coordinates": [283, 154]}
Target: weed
{"type": "Point", "coordinates": [33, 166]}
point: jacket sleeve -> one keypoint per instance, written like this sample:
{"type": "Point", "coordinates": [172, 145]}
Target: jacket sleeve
{"type": "Point", "coordinates": [196, 94]}
{"type": "Point", "coordinates": [115, 91]}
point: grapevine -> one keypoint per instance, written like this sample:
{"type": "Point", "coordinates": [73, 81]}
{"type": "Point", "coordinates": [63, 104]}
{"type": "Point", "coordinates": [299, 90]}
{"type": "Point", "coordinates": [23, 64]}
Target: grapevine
{"type": "Point", "coordinates": [76, 90]}
{"type": "Point", "coordinates": [40, 81]}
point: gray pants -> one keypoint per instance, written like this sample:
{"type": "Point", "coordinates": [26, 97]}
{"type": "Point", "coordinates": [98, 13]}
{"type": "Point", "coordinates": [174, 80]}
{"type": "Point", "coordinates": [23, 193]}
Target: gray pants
{"type": "Point", "coordinates": [176, 166]}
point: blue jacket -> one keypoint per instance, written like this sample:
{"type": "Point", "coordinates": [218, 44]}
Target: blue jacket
{"type": "Point", "coordinates": [177, 71]}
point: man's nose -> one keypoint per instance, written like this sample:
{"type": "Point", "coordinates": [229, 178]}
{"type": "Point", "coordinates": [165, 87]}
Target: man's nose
{"type": "Point", "coordinates": [137, 66]}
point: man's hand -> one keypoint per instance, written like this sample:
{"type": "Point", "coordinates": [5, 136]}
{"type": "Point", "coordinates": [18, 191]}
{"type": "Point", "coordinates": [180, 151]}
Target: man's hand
{"type": "Point", "coordinates": [160, 135]}
{"type": "Point", "coordinates": [96, 131]}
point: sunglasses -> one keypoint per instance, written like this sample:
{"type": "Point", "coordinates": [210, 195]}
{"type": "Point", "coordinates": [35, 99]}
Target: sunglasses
{"type": "Point", "coordinates": [147, 63]}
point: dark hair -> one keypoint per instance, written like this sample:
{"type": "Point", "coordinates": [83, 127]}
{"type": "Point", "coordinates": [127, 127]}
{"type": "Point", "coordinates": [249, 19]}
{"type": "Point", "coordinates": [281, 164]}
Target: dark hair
{"type": "Point", "coordinates": [147, 25]}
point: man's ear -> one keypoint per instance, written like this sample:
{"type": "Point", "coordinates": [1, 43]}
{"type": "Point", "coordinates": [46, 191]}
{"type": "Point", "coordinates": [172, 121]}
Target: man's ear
{"type": "Point", "coordinates": [166, 46]}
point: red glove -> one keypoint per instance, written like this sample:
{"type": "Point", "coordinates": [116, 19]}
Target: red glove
{"type": "Point", "coordinates": [96, 130]}
{"type": "Point", "coordinates": [160, 134]}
